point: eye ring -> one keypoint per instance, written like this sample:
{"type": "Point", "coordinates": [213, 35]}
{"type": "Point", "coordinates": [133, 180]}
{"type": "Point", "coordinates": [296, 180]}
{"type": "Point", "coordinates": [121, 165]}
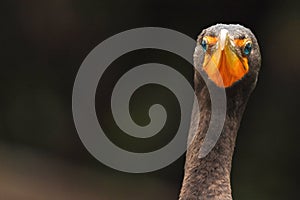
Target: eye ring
{"type": "Point", "coordinates": [247, 48]}
{"type": "Point", "coordinates": [204, 44]}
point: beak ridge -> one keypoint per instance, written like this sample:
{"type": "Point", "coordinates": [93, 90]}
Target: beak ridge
{"type": "Point", "coordinates": [223, 38]}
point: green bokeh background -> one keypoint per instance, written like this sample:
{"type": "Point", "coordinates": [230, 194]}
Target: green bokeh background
{"type": "Point", "coordinates": [42, 46]}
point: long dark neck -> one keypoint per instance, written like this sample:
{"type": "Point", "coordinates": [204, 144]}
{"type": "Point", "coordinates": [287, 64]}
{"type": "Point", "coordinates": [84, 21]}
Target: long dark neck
{"type": "Point", "coordinates": [209, 177]}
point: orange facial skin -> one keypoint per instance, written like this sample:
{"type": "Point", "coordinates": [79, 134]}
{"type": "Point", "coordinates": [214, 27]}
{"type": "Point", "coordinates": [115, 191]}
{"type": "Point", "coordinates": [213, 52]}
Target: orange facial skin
{"type": "Point", "coordinates": [211, 40]}
{"type": "Point", "coordinates": [224, 66]}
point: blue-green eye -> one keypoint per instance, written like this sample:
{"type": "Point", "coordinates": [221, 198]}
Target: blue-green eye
{"type": "Point", "coordinates": [248, 48]}
{"type": "Point", "coordinates": [204, 44]}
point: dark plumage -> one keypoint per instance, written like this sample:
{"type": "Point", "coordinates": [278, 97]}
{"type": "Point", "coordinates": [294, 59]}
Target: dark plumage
{"type": "Point", "coordinates": [209, 177]}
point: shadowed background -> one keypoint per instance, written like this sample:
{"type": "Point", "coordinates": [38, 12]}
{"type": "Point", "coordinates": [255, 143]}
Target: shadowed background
{"type": "Point", "coordinates": [42, 46]}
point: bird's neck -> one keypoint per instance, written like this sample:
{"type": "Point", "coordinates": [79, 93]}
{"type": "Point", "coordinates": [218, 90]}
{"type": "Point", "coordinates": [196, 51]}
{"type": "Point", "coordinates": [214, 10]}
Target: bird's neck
{"type": "Point", "coordinates": [209, 177]}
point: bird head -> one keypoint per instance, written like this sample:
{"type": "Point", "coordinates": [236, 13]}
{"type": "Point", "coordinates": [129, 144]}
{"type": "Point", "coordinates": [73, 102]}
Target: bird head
{"type": "Point", "coordinates": [227, 53]}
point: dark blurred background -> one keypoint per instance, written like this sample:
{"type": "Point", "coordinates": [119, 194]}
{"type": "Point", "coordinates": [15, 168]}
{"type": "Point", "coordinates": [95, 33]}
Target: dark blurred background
{"type": "Point", "coordinates": [43, 44]}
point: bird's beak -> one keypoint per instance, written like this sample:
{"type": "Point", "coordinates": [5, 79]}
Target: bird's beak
{"type": "Point", "coordinates": [224, 66]}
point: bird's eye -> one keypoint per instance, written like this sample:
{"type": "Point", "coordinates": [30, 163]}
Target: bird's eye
{"type": "Point", "coordinates": [204, 44]}
{"type": "Point", "coordinates": [248, 48]}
